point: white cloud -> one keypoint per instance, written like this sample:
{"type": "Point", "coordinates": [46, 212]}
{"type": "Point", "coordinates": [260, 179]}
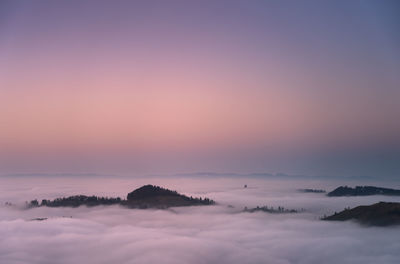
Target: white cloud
{"type": "Point", "coordinates": [215, 234]}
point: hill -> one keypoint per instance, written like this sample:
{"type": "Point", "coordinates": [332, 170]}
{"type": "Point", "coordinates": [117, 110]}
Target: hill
{"type": "Point", "coordinates": [379, 214]}
{"type": "Point", "coordinates": [148, 196]}
{"type": "Point", "coordinates": [272, 210]}
{"type": "Point", "coordinates": [311, 190]}
{"type": "Point", "coordinates": [362, 191]}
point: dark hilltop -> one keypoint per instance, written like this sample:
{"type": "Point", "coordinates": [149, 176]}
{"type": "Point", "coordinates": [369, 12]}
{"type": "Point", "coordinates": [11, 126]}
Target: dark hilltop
{"type": "Point", "coordinates": [271, 210]}
{"type": "Point", "coordinates": [148, 196]}
{"type": "Point", "coordinates": [362, 191]}
{"type": "Point", "coordinates": [311, 190]}
{"type": "Point", "coordinates": [379, 214]}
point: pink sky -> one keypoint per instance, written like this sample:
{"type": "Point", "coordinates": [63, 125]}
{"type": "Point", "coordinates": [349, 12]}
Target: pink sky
{"type": "Point", "coordinates": [185, 80]}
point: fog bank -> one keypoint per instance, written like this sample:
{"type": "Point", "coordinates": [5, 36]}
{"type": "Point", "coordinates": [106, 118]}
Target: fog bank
{"type": "Point", "coordinates": [213, 234]}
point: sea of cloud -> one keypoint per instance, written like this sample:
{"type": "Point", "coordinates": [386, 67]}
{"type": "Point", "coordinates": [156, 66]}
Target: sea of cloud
{"type": "Point", "coordinates": [208, 234]}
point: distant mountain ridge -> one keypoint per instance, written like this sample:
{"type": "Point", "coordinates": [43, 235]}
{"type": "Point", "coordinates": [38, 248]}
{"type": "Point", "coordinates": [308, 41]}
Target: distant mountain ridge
{"type": "Point", "coordinates": [362, 191]}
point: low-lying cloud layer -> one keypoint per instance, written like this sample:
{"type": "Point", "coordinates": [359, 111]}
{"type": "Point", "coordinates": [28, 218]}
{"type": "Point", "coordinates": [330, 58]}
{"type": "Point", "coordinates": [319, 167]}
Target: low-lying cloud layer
{"type": "Point", "coordinates": [214, 234]}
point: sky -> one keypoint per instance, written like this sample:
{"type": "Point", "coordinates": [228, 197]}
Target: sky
{"type": "Point", "coordinates": [301, 87]}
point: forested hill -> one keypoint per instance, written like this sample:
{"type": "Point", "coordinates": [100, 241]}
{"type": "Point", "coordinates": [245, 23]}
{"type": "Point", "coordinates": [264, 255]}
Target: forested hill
{"type": "Point", "coordinates": [148, 196]}
{"type": "Point", "coordinates": [379, 214]}
{"type": "Point", "coordinates": [362, 191]}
